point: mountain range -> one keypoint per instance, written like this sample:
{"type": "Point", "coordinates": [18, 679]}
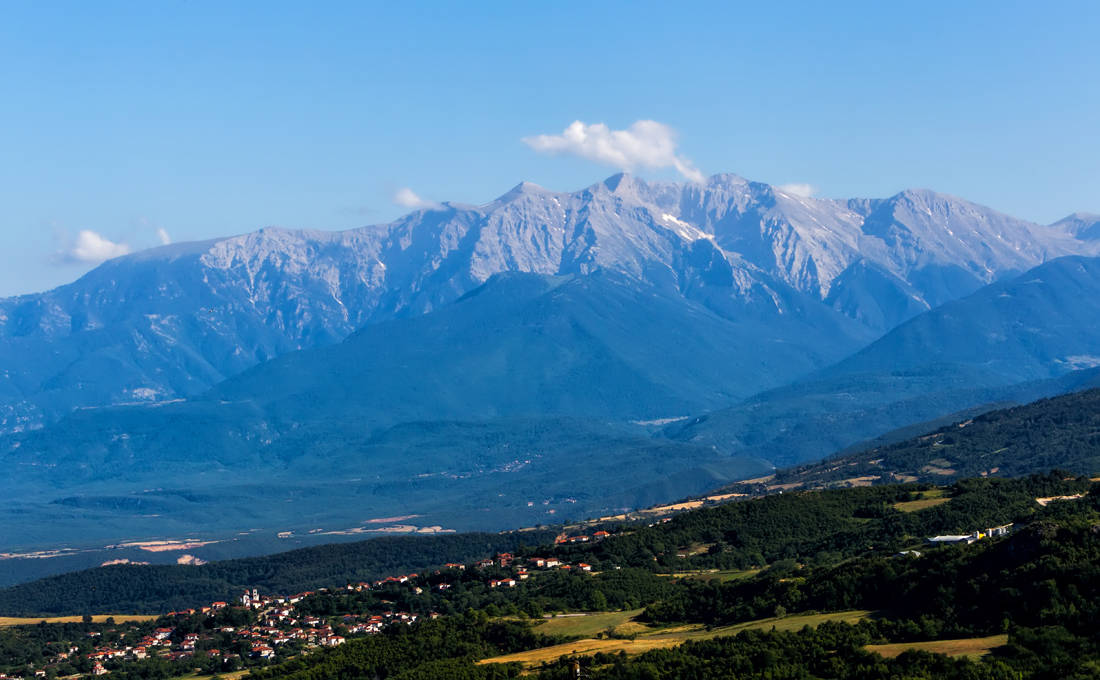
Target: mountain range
{"type": "Point", "coordinates": [174, 321]}
{"type": "Point", "coordinates": [545, 353]}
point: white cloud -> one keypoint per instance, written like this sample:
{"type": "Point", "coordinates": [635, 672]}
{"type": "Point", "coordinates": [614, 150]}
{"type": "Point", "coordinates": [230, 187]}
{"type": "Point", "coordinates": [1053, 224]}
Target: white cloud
{"type": "Point", "coordinates": [407, 198]}
{"type": "Point", "coordinates": [645, 144]}
{"type": "Point", "coordinates": [165, 239]}
{"type": "Point", "coordinates": [797, 189]}
{"type": "Point", "coordinates": [93, 248]}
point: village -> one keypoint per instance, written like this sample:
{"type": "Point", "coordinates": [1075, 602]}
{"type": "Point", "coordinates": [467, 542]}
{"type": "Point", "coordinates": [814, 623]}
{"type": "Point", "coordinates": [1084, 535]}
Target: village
{"type": "Point", "coordinates": [257, 629]}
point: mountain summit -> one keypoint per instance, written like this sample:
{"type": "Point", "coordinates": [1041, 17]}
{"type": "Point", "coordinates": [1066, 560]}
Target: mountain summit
{"type": "Point", "coordinates": [174, 321]}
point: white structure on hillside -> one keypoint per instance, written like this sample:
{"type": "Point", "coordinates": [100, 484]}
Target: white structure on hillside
{"type": "Point", "coordinates": [991, 532]}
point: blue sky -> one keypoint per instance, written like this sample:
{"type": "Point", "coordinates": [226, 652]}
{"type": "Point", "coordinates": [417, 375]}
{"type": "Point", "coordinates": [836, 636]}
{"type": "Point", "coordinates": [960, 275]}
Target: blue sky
{"type": "Point", "coordinates": [133, 122]}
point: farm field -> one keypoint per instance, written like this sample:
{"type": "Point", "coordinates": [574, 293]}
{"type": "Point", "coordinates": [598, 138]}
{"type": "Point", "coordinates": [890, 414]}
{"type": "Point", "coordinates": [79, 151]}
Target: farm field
{"type": "Point", "coordinates": [928, 499]}
{"type": "Point", "coordinates": [972, 648]}
{"type": "Point", "coordinates": [586, 625]}
{"type": "Point", "coordinates": [8, 621]}
{"type": "Point", "coordinates": [715, 574]}
{"type": "Point", "coordinates": [234, 675]}
{"type": "Point", "coordinates": [647, 638]}
{"type": "Point", "coordinates": [922, 504]}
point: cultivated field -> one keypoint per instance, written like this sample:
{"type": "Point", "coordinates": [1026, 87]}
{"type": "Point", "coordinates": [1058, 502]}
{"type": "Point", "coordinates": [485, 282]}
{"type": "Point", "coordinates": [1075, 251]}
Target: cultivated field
{"type": "Point", "coordinates": [234, 675]}
{"type": "Point", "coordinates": [928, 499]}
{"type": "Point", "coordinates": [6, 621]}
{"type": "Point", "coordinates": [586, 625]}
{"type": "Point", "coordinates": [715, 574]}
{"type": "Point", "coordinates": [647, 638]}
{"type": "Point", "coordinates": [968, 647]}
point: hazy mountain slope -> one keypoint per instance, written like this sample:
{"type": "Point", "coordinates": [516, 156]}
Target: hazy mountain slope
{"type": "Point", "coordinates": [520, 346]}
{"type": "Point", "coordinates": [1058, 433]}
{"type": "Point", "coordinates": [515, 356]}
{"type": "Point", "coordinates": [1081, 226]}
{"type": "Point", "coordinates": [597, 345]}
{"type": "Point", "coordinates": [1038, 325]}
{"type": "Point", "coordinates": [1012, 341]}
{"type": "Point", "coordinates": [174, 321]}
{"type": "Point", "coordinates": [810, 420]}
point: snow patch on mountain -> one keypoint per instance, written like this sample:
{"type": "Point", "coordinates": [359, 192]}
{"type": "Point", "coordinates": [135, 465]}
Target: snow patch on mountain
{"type": "Point", "coordinates": [685, 230]}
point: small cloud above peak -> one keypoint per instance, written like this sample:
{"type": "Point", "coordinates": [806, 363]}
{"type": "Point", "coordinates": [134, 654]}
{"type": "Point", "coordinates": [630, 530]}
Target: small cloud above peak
{"type": "Point", "coordinates": [92, 248]}
{"type": "Point", "coordinates": [163, 236]}
{"type": "Point", "coordinates": [798, 189]}
{"type": "Point", "coordinates": [407, 198]}
{"type": "Point", "coordinates": [645, 144]}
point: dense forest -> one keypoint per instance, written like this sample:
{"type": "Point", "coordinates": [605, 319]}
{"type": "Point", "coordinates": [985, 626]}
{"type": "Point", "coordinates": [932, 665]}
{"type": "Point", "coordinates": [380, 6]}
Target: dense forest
{"type": "Point", "coordinates": [1048, 572]}
{"type": "Point", "coordinates": [822, 526]}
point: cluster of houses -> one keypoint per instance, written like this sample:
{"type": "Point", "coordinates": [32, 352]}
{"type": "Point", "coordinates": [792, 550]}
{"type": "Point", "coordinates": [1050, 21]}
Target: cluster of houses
{"type": "Point", "coordinates": [582, 538]}
{"type": "Point", "coordinates": [157, 643]}
{"type": "Point", "coordinates": [555, 563]}
{"type": "Point", "coordinates": [281, 623]}
{"type": "Point", "coordinates": [264, 639]}
{"type": "Point", "coordinates": [522, 573]}
{"type": "Point", "coordinates": [389, 580]}
{"type": "Point", "coordinates": [502, 560]}
{"type": "Point", "coordinates": [277, 624]}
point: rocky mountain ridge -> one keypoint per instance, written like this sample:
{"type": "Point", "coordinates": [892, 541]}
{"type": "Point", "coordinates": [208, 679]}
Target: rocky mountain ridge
{"type": "Point", "coordinates": [173, 321]}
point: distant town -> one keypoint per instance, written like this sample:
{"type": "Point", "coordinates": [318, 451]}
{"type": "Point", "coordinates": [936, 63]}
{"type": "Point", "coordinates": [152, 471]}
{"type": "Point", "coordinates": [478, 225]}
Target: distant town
{"type": "Point", "coordinates": [259, 628]}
